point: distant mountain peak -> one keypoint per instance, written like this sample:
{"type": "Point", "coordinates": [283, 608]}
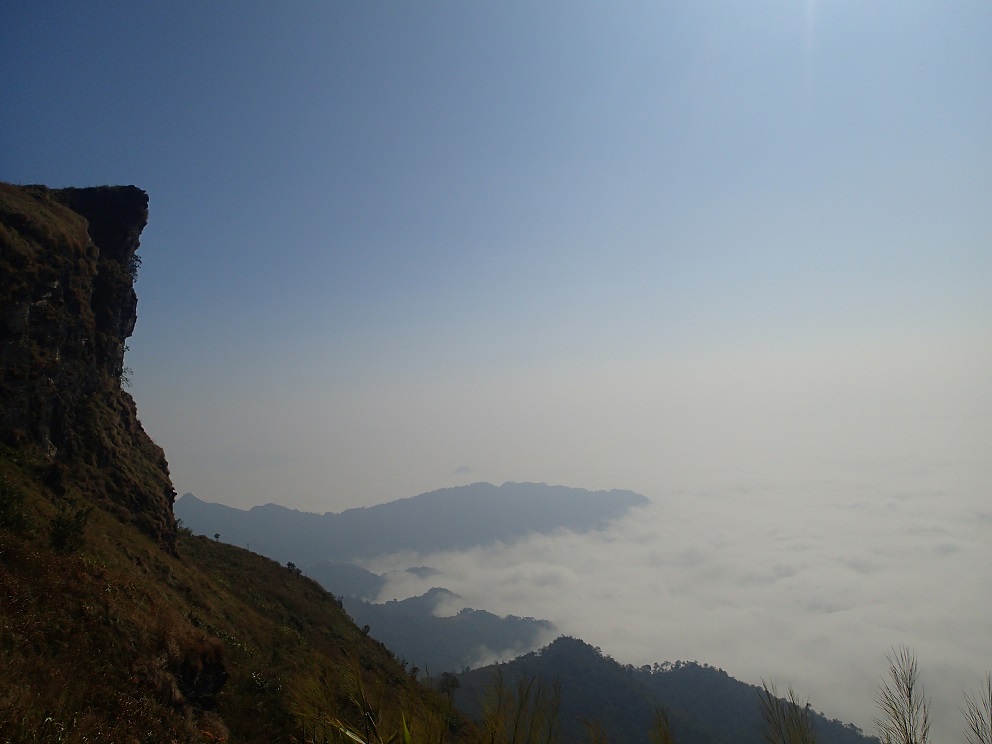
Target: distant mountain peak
{"type": "Point", "coordinates": [453, 518]}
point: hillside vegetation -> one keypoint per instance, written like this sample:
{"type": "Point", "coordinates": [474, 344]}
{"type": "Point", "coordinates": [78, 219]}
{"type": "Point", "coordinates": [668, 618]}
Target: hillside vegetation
{"type": "Point", "coordinates": [598, 697]}
{"type": "Point", "coordinates": [123, 641]}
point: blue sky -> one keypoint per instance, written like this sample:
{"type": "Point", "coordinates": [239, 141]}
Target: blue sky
{"type": "Point", "coordinates": [391, 240]}
{"type": "Point", "coordinates": [736, 256]}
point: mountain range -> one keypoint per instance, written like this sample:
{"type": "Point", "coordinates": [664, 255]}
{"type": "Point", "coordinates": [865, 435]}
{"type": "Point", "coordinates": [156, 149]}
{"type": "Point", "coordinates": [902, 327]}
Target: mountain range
{"type": "Point", "coordinates": [446, 519]}
{"type": "Point", "coordinates": [451, 643]}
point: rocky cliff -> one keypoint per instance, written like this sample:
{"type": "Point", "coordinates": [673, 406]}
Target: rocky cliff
{"type": "Point", "coordinates": [67, 306]}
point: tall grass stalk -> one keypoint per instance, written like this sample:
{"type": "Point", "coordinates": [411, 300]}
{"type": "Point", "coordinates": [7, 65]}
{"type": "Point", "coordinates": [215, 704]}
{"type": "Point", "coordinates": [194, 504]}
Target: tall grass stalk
{"type": "Point", "coordinates": [905, 709]}
{"type": "Point", "coordinates": [787, 721]}
{"type": "Point", "coordinates": [978, 714]}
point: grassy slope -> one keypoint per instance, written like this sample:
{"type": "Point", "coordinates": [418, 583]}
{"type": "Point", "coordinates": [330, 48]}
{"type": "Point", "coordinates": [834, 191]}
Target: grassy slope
{"type": "Point", "coordinates": [122, 641]}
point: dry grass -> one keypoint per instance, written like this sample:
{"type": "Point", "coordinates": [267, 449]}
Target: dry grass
{"type": "Point", "coordinates": [122, 641]}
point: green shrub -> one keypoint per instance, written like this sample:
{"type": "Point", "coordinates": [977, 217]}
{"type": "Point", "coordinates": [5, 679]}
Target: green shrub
{"type": "Point", "coordinates": [13, 510]}
{"type": "Point", "coordinates": [68, 527]}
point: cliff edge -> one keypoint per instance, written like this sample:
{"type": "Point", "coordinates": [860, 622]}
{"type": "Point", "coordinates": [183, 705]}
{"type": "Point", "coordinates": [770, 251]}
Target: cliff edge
{"type": "Point", "coordinates": [67, 306]}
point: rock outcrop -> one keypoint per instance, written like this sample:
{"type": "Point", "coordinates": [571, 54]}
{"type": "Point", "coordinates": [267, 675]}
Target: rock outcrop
{"type": "Point", "coordinates": [67, 306]}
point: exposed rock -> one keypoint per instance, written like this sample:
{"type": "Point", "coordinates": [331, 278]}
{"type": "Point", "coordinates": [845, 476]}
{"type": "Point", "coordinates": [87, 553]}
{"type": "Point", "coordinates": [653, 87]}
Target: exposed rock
{"type": "Point", "coordinates": [67, 306]}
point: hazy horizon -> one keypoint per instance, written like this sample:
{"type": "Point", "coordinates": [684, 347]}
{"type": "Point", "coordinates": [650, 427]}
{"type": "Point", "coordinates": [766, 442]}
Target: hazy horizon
{"type": "Point", "coordinates": [699, 250]}
{"type": "Point", "coordinates": [807, 588]}
{"type": "Point", "coordinates": [820, 619]}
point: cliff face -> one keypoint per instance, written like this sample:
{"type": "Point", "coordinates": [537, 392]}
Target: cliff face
{"type": "Point", "coordinates": [67, 306]}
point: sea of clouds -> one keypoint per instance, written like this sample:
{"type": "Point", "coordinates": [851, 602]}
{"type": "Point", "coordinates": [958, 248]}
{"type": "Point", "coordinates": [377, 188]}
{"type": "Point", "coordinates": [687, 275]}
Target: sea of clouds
{"type": "Point", "coordinates": [808, 584]}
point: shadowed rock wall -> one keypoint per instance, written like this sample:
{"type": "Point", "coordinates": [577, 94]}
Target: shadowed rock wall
{"type": "Point", "coordinates": [67, 306]}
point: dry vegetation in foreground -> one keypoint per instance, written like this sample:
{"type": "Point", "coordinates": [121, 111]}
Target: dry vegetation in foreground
{"type": "Point", "coordinates": [104, 636]}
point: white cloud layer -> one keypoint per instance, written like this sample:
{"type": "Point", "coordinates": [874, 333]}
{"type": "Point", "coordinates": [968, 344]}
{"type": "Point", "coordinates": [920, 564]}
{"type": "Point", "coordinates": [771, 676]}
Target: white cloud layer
{"type": "Point", "coordinates": [806, 585]}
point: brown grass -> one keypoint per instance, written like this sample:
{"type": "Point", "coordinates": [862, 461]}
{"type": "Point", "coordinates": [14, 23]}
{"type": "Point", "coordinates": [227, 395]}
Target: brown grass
{"type": "Point", "coordinates": [124, 642]}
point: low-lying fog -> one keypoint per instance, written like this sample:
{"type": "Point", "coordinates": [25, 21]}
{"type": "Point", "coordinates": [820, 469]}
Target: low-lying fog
{"type": "Point", "coordinates": [806, 585]}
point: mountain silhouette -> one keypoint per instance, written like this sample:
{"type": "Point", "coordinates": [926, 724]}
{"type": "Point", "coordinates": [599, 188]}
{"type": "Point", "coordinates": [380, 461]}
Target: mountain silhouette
{"type": "Point", "coordinates": [447, 519]}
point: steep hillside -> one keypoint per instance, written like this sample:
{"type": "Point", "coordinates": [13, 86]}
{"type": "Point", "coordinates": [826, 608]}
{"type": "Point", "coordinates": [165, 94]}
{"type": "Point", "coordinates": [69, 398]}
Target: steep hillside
{"type": "Point", "coordinates": [114, 626]}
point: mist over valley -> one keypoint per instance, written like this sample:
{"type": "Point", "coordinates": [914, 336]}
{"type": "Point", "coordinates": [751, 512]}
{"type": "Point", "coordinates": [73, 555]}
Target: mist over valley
{"type": "Point", "coordinates": [806, 585]}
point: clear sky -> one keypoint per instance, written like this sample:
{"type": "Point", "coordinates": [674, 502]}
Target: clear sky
{"type": "Point", "coordinates": [398, 246]}
{"type": "Point", "coordinates": [703, 248]}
